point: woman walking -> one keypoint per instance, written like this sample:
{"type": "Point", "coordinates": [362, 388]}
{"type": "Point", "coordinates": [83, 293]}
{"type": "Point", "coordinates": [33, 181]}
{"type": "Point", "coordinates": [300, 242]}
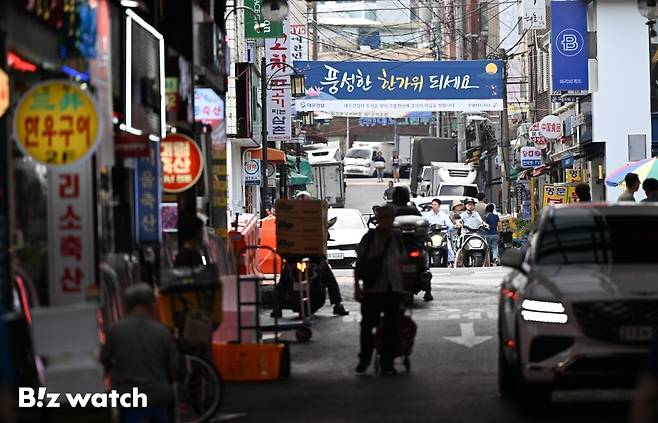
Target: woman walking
{"type": "Point", "coordinates": [395, 162]}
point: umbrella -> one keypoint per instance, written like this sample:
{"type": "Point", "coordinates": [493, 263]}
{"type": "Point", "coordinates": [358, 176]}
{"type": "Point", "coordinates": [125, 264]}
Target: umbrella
{"type": "Point", "coordinates": [646, 168]}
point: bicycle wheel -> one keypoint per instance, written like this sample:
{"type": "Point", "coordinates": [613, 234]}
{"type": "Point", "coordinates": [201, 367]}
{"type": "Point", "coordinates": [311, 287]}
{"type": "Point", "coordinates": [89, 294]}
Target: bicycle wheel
{"type": "Point", "coordinates": [200, 390]}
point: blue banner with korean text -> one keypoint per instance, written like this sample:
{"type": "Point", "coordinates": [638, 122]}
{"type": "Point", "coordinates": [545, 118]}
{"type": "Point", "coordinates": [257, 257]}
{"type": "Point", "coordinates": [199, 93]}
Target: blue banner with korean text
{"type": "Point", "coordinates": [569, 45]}
{"type": "Point", "coordinates": [148, 183]}
{"type": "Point", "coordinates": [395, 87]}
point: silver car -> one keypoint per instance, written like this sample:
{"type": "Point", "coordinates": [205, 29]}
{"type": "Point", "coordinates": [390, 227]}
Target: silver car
{"type": "Point", "coordinates": [344, 235]}
{"type": "Point", "coordinates": [580, 308]}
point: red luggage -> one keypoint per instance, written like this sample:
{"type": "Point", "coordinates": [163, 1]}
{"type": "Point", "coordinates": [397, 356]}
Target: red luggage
{"type": "Point", "coordinates": [408, 330]}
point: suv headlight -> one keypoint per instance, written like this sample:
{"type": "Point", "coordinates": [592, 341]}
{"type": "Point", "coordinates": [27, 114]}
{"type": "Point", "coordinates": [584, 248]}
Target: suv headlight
{"type": "Point", "coordinates": [543, 311]}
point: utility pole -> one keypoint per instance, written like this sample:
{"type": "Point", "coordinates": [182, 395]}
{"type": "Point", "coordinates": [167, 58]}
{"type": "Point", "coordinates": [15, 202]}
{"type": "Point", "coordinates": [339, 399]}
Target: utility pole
{"type": "Point", "coordinates": [264, 194]}
{"type": "Point", "coordinates": [315, 30]}
{"type": "Point", "coordinates": [458, 16]}
{"type": "Point", "coordinates": [504, 142]}
{"type": "Point", "coordinates": [435, 30]}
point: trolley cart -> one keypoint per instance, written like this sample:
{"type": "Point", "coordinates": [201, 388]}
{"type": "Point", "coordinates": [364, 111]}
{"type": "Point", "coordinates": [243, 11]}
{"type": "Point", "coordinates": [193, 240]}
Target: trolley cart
{"type": "Point", "coordinates": [407, 336]}
{"type": "Point", "coordinates": [302, 330]}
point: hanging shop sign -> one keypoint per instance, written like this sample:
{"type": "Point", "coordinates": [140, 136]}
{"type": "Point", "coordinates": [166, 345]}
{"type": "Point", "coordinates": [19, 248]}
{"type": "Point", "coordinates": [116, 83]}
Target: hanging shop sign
{"type": "Point", "coordinates": [279, 97]}
{"type": "Point", "coordinates": [4, 92]}
{"type": "Point", "coordinates": [266, 30]}
{"type": "Point", "coordinates": [535, 136]}
{"type": "Point", "coordinates": [574, 176]}
{"type": "Point", "coordinates": [57, 123]}
{"type": "Point", "coordinates": [182, 163]}
{"type": "Point", "coordinates": [531, 157]}
{"type": "Point", "coordinates": [551, 127]}
{"type": "Point", "coordinates": [299, 41]}
{"type": "Point", "coordinates": [571, 195]}
{"type": "Point", "coordinates": [569, 45]}
{"type": "Point", "coordinates": [554, 194]}
{"type": "Point", "coordinates": [534, 14]}
{"type": "Point", "coordinates": [148, 229]}
{"type": "Point", "coordinates": [252, 173]}
{"type": "Point", "coordinates": [127, 145]}
{"type": "Point", "coordinates": [172, 99]}
{"type": "Point", "coordinates": [71, 233]}
{"type": "Point", "coordinates": [394, 87]}
{"type": "Point", "coordinates": [208, 106]}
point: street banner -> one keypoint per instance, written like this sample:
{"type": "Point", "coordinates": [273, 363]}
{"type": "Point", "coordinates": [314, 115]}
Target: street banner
{"type": "Point", "coordinates": [531, 157]}
{"type": "Point", "coordinates": [71, 256]}
{"type": "Point", "coordinates": [554, 194]}
{"type": "Point", "coordinates": [569, 46]}
{"type": "Point", "coordinates": [148, 179]}
{"type": "Point", "coordinates": [279, 98]}
{"type": "Point", "coordinates": [377, 87]}
{"type": "Point", "coordinates": [57, 123]}
{"type": "Point", "coordinates": [534, 14]}
{"type": "Point", "coordinates": [573, 176]}
{"type": "Point", "coordinates": [182, 163]}
{"type": "Point", "coordinates": [270, 29]}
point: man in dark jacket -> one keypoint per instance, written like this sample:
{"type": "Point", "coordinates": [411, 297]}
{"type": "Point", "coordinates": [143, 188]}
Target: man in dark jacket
{"type": "Point", "coordinates": [401, 202]}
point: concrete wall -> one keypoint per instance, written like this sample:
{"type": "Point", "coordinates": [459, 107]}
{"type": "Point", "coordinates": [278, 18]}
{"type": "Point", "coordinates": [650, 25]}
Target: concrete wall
{"type": "Point", "coordinates": [621, 105]}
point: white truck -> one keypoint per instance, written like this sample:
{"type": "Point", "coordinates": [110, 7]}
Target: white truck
{"type": "Point", "coordinates": [404, 145]}
{"type": "Point", "coordinates": [329, 182]}
{"type": "Point", "coordinates": [359, 159]}
{"type": "Point", "coordinates": [323, 153]}
{"type": "Point", "coordinates": [451, 181]}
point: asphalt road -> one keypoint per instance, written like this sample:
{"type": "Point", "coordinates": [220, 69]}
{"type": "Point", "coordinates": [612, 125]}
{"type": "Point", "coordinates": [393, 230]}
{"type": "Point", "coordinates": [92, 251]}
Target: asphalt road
{"type": "Point", "coordinates": [363, 193]}
{"type": "Point", "coordinates": [453, 375]}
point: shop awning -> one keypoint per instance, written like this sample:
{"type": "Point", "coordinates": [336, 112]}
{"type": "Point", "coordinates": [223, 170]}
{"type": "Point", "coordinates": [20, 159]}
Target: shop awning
{"type": "Point", "coordinates": [273, 155]}
{"type": "Point", "coordinates": [305, 168]}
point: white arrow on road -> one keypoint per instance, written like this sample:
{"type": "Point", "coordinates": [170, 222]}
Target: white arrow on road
{"type": "Point", "coordinates": [467, 338]}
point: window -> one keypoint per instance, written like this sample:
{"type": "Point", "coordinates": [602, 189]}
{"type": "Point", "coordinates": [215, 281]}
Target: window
{"type": "Point", "coordinates": [359, 154]}
{"type": "Point", "coordinates": [588, 237]}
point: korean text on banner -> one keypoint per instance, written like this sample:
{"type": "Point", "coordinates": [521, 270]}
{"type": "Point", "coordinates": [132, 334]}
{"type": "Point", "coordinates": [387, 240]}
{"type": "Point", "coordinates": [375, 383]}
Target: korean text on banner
{"type": "Point", "coordinates": [554, 194]}
{"type": "Point", "coordinates": [71, 233]}
{"type": "Point", "coordinates": [269, 30]}
{"type": "Point", "coordinates": [148, 197]}
{"type": "Point", "coordinates": [569, 45]}
{"type": "Point", "coordinates": [57, 123]}
{"type": "Point", "coordinates": [534, 14]}
{"type": "Point", "coordinates": [279, 99]}
{"type": "Point", "coordinates": [367, 87]}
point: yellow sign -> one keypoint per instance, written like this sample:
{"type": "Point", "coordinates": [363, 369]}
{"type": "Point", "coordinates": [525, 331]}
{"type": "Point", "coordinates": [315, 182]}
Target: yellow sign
{"type": "Point", "coordinates": [57, 123]}
{"type": "Point", "coordinates": [574, 176]}
{"type": "Point", "coordinates": [571, 195]}
{"type": "Point", "coordinates": [555, 194]}
{"type": "Point", "coordinates": [4, 92]}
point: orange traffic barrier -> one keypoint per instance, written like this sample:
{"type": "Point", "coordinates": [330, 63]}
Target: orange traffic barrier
{"type": "Point", "coordinates": [269, 262]}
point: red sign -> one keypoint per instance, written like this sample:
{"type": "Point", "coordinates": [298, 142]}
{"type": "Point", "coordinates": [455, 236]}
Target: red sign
{"type": "Point", "coordinates": [182, 163]}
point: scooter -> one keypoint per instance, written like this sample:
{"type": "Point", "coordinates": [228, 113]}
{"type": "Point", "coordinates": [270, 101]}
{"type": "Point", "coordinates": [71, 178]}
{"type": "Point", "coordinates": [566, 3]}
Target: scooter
{"type": "Point", "coordinates": [473, 250]}
{"type": "Point", "coordinates": [438, 245]}
{"type": "Point", "coordinates": [415, 236]}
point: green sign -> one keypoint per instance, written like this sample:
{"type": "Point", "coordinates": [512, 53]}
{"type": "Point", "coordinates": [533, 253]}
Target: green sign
{"type": "Point", "coordinates": [269, 30]}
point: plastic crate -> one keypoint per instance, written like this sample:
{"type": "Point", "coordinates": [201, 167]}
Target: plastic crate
{"type": "Point", "coordinates": [248, 362]}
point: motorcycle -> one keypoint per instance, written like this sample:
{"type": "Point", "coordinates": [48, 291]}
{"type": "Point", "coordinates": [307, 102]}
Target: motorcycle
{"type": "Point", "coordinates": [438, 245]}
{"type": "Point", "coordinates": [415, 236]}
{"type": "Point", "coordinates": [472, 249]}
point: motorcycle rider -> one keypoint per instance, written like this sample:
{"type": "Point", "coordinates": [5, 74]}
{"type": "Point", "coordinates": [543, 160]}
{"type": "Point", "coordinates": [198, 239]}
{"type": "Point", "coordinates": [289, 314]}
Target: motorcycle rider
{"type": "Point", "coordinates": [326, 276]}
{"type": "Point", "coordinates": [437, 217]}
{"type": "Point", "coordinates": [470, 217]}
{"type": "Point", "coordinates": [403, 207]}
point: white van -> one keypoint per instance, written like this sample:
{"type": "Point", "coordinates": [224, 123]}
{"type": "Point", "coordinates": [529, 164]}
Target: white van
{"type": "Point", "coordinates": [358, 162]}
{"type": "Point", "coordinates": [323, 155]}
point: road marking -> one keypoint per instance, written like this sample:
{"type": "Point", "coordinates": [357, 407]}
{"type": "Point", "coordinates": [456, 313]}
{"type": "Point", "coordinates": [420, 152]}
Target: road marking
{"type": "Point", "coordinates": [467, 337]}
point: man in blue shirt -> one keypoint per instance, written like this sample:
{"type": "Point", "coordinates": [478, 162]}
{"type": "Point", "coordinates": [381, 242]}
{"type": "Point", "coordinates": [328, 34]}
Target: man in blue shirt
{"type": "Point", "coordinates": [437, 217]}
{"type": "Point", "coordinates": [491, 234]}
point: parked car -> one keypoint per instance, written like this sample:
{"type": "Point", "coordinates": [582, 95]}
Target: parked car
{"type": "Point", "coordinates": [344, 235]}
{"type": "Point", "coordinates": [579, 308]}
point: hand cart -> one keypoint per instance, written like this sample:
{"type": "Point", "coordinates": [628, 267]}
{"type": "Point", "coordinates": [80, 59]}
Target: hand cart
{"type": "Point", "coordinates": [302, 328]}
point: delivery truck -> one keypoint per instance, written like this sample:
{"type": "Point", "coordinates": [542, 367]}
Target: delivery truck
{"type": "Point", "coordinates": [426, 150]}
{"type": "Point", "coordinates": [329, 182]}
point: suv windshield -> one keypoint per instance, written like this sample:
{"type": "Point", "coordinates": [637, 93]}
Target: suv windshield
{"type": "Point", "coordinates": [458, 190]}
{"type": "Point", "coordinates": [359, 154]}
{"type": "Point", "coordinates": [587, 237]}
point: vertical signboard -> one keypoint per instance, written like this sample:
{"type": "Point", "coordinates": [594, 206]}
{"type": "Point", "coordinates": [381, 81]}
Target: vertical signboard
{"type": "Point", "coordinates": [569, 46]}
{"type": "Point", "coordinates": [534, 14]}
{"type": "Point", "coordinates": [219, 179]}
{"type": "Point", "coordinates": [71, 232]}
{"type": "Point", "coordinates": [266, 30]}
{"type": "Point", "coordinates": [147, 197]}
{"type": "Point", "coordinates": [279, 98]}
{"type": "Point", "coordinates": [298, 42]}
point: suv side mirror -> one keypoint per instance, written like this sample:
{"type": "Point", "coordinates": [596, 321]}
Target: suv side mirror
{"type": "Point", "coordinates": [513, 258]}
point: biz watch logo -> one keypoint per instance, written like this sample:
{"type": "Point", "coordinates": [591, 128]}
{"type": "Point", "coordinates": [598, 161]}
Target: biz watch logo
{"type": "Point", "coordinates": [28, 398]}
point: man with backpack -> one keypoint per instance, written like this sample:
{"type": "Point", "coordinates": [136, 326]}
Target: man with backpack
{"type": "Point", "coordinates": [379, 256]}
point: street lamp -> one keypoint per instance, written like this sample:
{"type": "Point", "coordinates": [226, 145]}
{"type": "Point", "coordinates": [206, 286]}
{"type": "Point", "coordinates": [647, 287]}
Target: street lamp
{"type": "Point", "coordinates": [258, 25]}
{"type": "Point", "coordinates": [274, 10]}
{"type": "Point", "coordinates": [297, 90]}
{"type": "Point", "coordinates": [648, 9]}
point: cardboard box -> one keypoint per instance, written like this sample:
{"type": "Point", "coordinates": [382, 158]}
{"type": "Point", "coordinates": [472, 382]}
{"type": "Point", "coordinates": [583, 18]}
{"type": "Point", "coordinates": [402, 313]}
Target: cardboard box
{"type": "Point", "coordinates": [301, 227]}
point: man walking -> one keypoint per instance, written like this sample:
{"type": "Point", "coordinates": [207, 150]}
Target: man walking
{"type": "Point", "coordinates": [481, 206]}
{"type": "Point", "coordinates": [491, 234]}
{"type": "Point", "coordinates": [632, 185]}
{"type": "Point", "coordinates": [140, 353]}
{"type": "Point", "coordinates": [388, 193]}
{"type": "Point", "coordinates": [650, 187]}
{"type": "Point", "coordinates": [379, 257]}
{"type": "Point", "coordinates": [583, 193]}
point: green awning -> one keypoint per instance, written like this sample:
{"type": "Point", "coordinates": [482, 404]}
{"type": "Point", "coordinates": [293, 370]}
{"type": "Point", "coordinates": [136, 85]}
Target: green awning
{"type": "Point", "coordinates": [304, 170]}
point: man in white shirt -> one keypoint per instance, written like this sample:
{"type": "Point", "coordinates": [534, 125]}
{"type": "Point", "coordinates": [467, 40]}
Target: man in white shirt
{"type": "Point", "coordinates": [470, 217]}
{"type": "Point", "coordinates": [437, 217]}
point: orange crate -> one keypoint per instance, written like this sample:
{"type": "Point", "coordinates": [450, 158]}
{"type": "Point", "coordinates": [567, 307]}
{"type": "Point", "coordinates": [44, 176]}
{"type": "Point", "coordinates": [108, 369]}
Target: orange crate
{"type": "Point", "coordinates": [248, 362]}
